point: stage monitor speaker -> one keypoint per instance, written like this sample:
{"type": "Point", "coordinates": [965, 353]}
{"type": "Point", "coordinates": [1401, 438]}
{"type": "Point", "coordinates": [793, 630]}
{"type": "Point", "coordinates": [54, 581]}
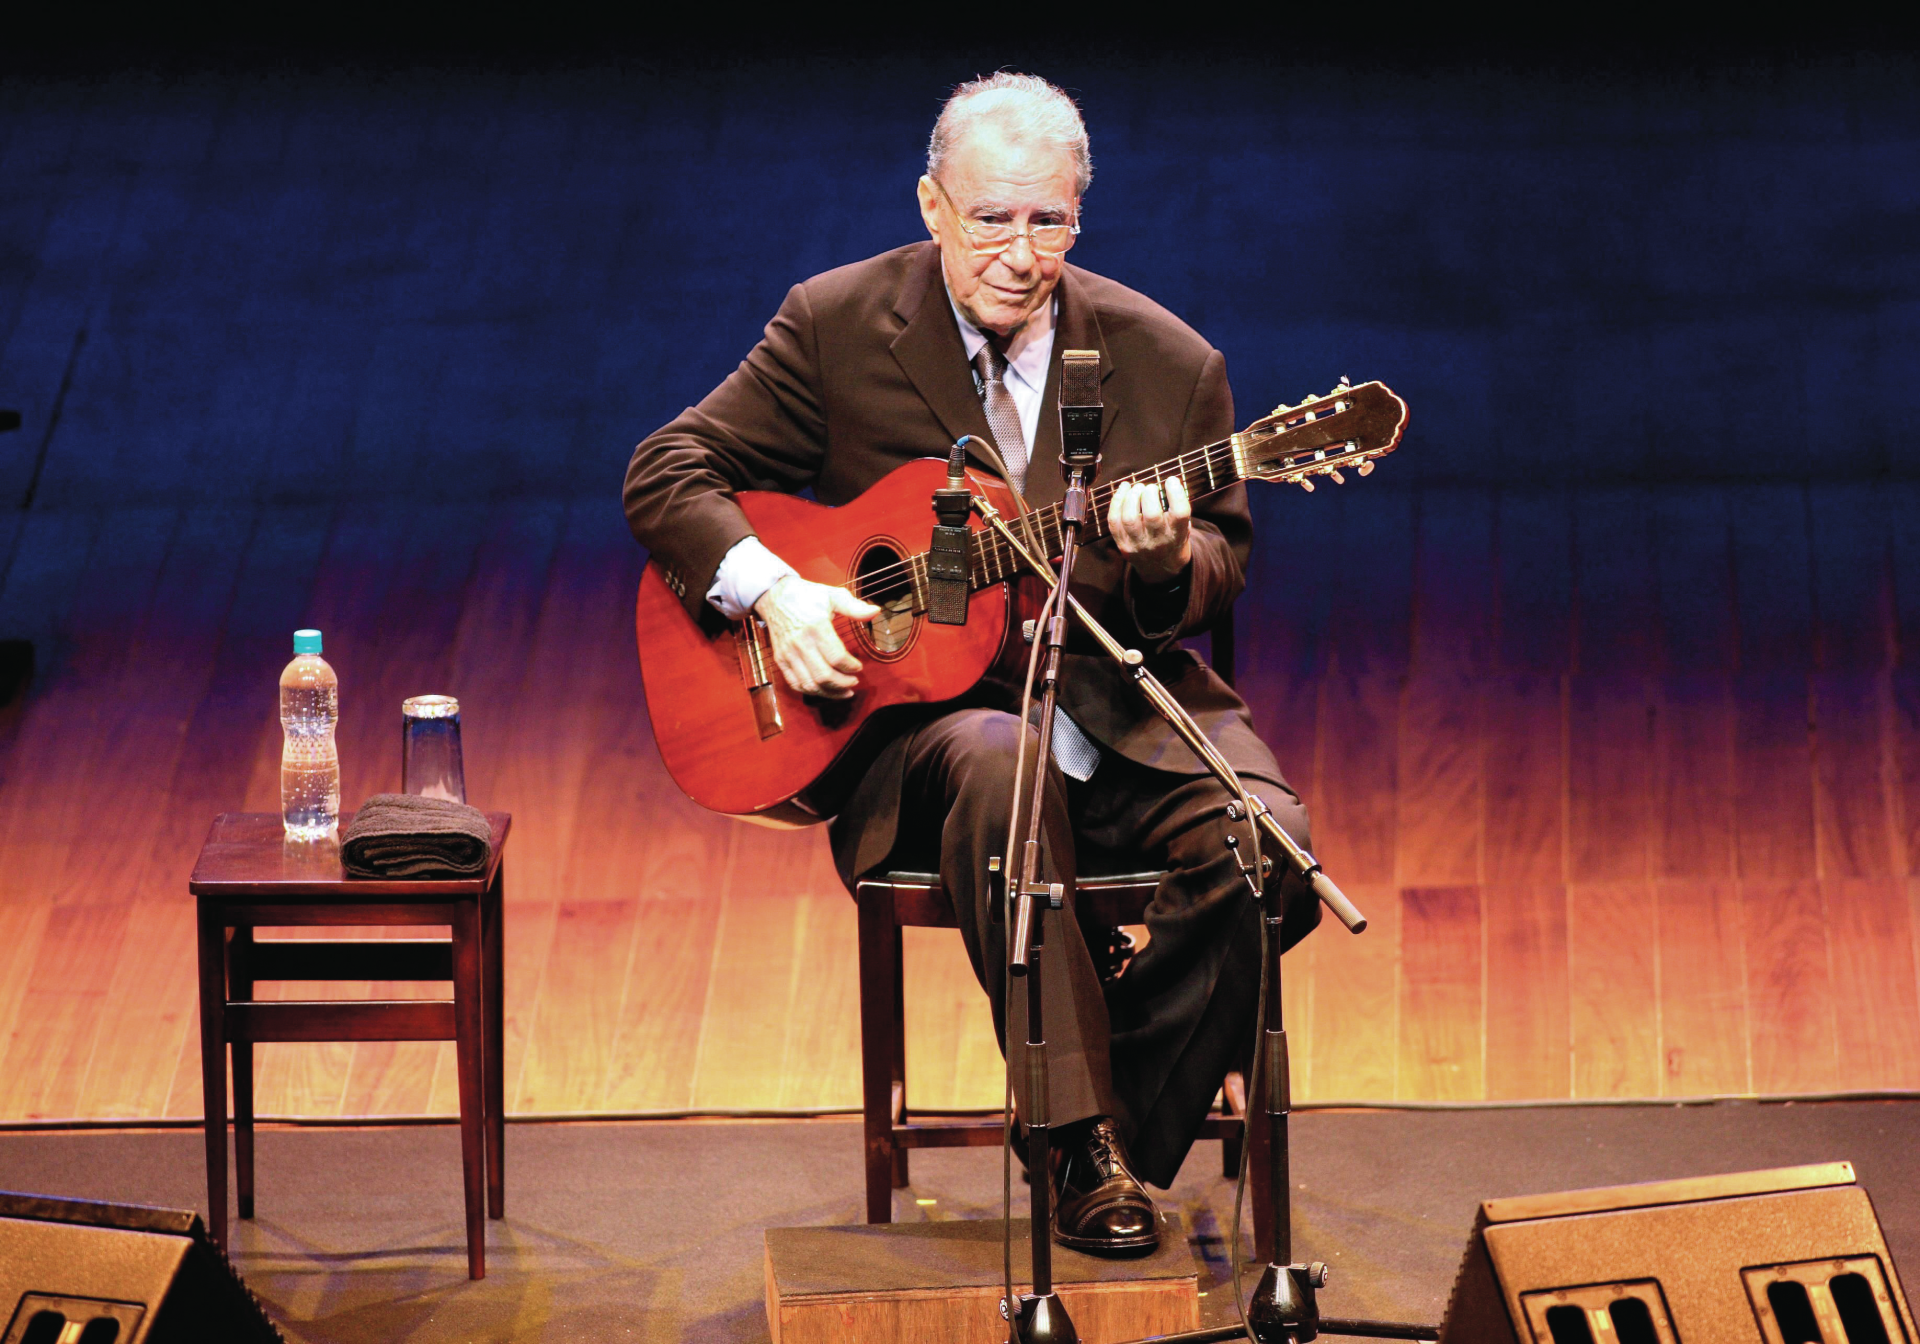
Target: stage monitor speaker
{"type": "Point", "coordinates": [76, 1272]}
{"type": "Point", "coordinates": [1790, 1256]}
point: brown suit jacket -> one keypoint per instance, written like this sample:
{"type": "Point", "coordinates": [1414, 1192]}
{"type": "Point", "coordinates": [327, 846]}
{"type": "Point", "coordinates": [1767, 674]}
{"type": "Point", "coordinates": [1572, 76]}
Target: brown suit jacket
{"type": "Point", "coordinates": [862, 370]}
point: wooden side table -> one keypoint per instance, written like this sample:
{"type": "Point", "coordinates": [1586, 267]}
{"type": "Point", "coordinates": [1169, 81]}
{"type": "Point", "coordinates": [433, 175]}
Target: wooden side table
{"type": "Point", "coordinates": [248, 875]}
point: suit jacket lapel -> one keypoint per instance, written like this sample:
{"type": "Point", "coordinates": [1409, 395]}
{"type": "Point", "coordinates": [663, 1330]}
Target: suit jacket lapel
{"type": "Point", "coordinates": [930, 353]}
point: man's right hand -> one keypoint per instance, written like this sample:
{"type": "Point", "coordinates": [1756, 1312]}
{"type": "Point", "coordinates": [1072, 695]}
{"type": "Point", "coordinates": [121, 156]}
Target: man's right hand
{"type": "Point", "coordinates": [806, 648]}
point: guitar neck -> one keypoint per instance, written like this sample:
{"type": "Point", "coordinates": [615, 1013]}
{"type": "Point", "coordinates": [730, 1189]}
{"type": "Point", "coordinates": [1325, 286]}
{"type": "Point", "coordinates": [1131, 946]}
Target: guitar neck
{"type": "Point", "coordinates": [1202, 472]}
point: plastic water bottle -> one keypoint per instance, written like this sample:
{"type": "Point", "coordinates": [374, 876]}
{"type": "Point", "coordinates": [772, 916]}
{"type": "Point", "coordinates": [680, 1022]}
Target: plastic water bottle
{"type": "Point", "coordinates": [309, 762]}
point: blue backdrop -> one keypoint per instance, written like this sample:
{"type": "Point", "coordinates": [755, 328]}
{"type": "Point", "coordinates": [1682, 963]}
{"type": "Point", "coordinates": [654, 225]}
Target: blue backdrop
{"type": "Point", "coordinates": [266, 286]}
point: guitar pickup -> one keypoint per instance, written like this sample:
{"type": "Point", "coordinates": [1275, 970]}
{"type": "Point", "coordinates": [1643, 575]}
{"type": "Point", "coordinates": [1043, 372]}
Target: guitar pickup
{"type": "Point", "coordinates": [751, 646]}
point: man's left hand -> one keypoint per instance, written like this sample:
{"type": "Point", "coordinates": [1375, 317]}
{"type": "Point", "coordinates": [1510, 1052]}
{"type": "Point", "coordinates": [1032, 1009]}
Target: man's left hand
{"type": "Point", "coordinates": [1157, 540]}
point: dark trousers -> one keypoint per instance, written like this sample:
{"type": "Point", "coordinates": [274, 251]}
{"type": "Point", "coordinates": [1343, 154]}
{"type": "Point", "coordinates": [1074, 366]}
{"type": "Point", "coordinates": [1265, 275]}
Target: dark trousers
{"type": "Point", "coordinates": [1150, 1048]}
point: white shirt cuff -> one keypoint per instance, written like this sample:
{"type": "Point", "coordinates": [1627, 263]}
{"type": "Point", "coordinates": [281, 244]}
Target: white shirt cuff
{"type": "Point", "coordinates": [745, 574]}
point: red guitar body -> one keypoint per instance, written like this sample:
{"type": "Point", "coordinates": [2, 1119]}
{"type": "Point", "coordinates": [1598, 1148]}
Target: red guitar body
{"type": "Point", "coordinates": [735, 736]}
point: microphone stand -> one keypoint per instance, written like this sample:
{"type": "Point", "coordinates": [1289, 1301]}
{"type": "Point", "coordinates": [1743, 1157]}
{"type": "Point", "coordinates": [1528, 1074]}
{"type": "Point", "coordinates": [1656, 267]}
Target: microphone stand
{"type": "Point", "coordinates": [1283, 1309]}
{"type": "Point", "coordinates": [1040, 1317]}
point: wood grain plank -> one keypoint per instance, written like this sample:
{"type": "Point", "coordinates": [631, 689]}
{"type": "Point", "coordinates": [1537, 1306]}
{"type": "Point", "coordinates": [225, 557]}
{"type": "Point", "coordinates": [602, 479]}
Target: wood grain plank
{"type": "Point", "coordinates": [1454, 583]}
{"type": "Point", "coordinates": [1523, 718]}
{"type": "Point", "coordinates": [943, 998]}
{"type": "Point", "coordinates": [1352, 1035]}
{"type": "Point", "coordinates": [1693, 823]}
{"type": "Point", "coordinates": [1617, 611]}
{"type": "Point", "coordinates": [1534, 545]}
{"type": "Point", "coordinates": [1286, 713]}
{"type": "Point", "coordinates": [581, 651]}
{"type": "Point", "coordinates": [233, 727]}
{"type": "Point", "coordinates": [570, 1044]}
{"type": "Point", "coordinates": [1904, 727]}
{"type": "Point", "coordinates": [1773, 577]}
{"type": "Point", "coordinates": [1374, 558]}
{"type": "Point", "coordinates": [1440, 781]}
{"type": "Point", "coordinates": [1773, 762]}
{"type": "Point", "coordinates": [1610, 730]}
{"type": "Point", "coordinates": [744, 1032]}
{"type": "Point", "coordinates": [1442, 1012]}
{"type": "Point", "coordinates": [1528, 1031]}
{"type": "Point", "coordinates": [1852, 576]}
{"type": "Point", "coordinates": [1853, 761]}
{"type": "Point", "coordinates": [657, 1035]}
{"type": "Point", "coordinates": [1693, 573]}
{"type": "Point", "coordinates": [1875, 998]}
{"type": "Point", "coordinates": [46, 1051]}
{"type": "Point", "coordinates": [1613, 978]}
{"type": "Point", "coordinates": [1282, 624]}
{"type": "Point", "coordinates": [1790, 1002]}
{"type": "Point", "coordinates": [823, 1037]}
{"type": "Point", "coordinates": [1703, 990]}
{"type": "Point", "coordinates": [1903, 502]}
{"type": "Point", "coordinates": [1356, 786]}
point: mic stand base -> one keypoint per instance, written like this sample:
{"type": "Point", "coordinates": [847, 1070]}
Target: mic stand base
{"type": "Point", "coordinates": [1283, 1310]}
{"type": "Point", "coordinates": [1042, 1320]}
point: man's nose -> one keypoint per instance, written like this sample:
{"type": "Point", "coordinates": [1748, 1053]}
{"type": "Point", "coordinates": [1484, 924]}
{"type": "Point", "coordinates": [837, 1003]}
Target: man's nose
{"type": "Point", "coordinates": [1020, 255]}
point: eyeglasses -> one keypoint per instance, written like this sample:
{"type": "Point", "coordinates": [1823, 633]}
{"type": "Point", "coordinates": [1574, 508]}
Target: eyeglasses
{"type": "Point", "coordinates": [985, 237]}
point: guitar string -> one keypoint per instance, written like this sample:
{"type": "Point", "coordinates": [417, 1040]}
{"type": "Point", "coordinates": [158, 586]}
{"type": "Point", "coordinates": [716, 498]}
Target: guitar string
{"type": "Point", "coordinates": [992, 548]}
{"type": "Point", "coordinates": [1048, 518]}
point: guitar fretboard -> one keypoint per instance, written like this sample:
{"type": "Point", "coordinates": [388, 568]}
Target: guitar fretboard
{"type": "Point", "coordinates": [1204, 471]}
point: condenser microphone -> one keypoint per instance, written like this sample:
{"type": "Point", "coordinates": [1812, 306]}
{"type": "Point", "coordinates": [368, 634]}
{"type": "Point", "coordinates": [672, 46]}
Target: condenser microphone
{"type": "Point", "coordinates": [1079, 411]}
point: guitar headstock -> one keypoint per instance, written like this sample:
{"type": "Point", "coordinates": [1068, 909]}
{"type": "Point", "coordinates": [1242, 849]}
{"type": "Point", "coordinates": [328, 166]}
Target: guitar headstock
{"type": "Point", "coordinates": [1348, 427]}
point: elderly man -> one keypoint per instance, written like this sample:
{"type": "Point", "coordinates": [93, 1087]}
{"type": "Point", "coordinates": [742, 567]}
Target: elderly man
{"type": "Point", "coordinates": [894, 358]}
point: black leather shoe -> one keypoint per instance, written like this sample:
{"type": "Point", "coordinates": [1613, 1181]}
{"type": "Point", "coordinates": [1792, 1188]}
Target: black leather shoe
{"type": "Point", "coordinates": [1099, 1205]}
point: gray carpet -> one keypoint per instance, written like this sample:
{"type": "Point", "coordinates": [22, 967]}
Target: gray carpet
{"type": "Point", "coordinates": [652, 1231]}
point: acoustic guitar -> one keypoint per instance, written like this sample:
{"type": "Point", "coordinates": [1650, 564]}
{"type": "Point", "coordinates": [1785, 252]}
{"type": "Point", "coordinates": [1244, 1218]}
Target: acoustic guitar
{"type": "Point", "coordinates": [737, 739]}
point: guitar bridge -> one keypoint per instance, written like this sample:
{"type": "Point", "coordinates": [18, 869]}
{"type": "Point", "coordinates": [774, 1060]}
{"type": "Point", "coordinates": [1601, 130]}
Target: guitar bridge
{"type": "Point", "coordinates": [751, 646]}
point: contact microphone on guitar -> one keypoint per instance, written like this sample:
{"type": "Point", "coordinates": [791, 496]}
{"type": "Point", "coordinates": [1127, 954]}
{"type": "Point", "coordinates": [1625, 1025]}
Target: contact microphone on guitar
{"type": "Point", "coordinates": [947, 572]}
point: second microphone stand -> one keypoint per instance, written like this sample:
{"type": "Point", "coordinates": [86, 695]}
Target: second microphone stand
{"type": "Point", "coordinates": [1284, 1309]}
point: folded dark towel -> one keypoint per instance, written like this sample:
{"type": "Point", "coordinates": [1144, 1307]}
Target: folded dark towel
{"type": "Point", "coordinates": [405, 835]}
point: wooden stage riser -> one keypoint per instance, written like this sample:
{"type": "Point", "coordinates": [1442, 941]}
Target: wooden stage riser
{"type": "Point", "coordinates": [1102, 1313]}
{"type": "Point", "coordinates": [1624, 828]}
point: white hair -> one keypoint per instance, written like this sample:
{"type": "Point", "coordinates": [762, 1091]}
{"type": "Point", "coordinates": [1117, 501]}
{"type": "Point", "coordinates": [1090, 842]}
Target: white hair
{"type": "Point", "coordinates": [1023, 108]}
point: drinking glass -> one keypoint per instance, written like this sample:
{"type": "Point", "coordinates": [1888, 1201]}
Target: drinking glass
{"type": "Point", "coordinates": [430, 761]}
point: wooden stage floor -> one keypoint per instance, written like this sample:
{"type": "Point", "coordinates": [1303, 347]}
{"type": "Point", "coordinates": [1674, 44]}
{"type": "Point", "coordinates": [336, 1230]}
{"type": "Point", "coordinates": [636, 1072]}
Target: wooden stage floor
{"type": "Point", "coordinates": [1629, 781]}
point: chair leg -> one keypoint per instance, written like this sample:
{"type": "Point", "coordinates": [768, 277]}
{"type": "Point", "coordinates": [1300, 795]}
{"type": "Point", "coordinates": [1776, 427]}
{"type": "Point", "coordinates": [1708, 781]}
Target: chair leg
{"type": "Point", "coordinates": [213, 1063]}
{"type": "Point", "coordinates": [468, 1047]}
{"type": "Point", "coordinates": [240, 986]}
{"type": "Point", "coordinates": [897, 1107]}
{"type": "Point", "coordinates": [879, 972]}
{"type": "Point", "coordinates": [495, 1027]}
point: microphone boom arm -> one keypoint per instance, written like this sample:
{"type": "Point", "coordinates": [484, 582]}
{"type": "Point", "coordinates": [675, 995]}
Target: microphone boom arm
{"type": "Point", "coordinates": [1170, 709]}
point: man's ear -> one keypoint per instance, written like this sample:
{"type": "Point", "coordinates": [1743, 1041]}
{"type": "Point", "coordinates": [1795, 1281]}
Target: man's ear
{"type": "Point", "coordinates": [929, 206]}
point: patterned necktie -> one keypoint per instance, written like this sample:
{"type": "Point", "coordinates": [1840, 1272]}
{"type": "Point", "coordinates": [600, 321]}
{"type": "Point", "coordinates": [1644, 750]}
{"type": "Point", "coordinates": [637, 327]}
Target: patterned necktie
{"type": "Point", "coordinates": [1003, 417]}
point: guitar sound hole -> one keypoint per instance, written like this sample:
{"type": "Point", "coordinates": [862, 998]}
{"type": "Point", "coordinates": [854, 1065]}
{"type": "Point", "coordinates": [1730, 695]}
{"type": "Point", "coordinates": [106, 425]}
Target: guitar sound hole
{"type": "Point", "coordinates": [881, 578]}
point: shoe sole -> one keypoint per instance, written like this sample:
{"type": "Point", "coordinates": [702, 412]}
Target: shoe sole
{"type": "Point", "coordinates": [1145, 1244]}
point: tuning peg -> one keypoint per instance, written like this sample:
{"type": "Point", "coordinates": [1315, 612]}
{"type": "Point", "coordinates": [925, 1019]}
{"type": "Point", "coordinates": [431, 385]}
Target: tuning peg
{"type": "Point", "coordinates": [1366, 467]}
{"type": "Point", "coordinates": [1306, 485]}
{"type": "Point", "coordinates": [1344, 382]}
{"type": "Point", "coordinates": [1282, 408]}
{"type": "Point", "coordinates": [1338, 479]}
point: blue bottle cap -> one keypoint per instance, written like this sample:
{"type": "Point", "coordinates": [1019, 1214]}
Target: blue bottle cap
{"type": "Point", "coordinates": [306, 641]}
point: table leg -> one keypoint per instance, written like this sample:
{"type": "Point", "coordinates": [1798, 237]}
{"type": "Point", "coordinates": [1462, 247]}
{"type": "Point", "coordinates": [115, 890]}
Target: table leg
{"type": "Point", "coordinates": [469, 1032]}
{"type": "Point", "coordinates": [491, 924]}
{"type": "Point", "coordinates": [213, 1063]}
{"type": "Point", "coordinates": [239, 987]}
